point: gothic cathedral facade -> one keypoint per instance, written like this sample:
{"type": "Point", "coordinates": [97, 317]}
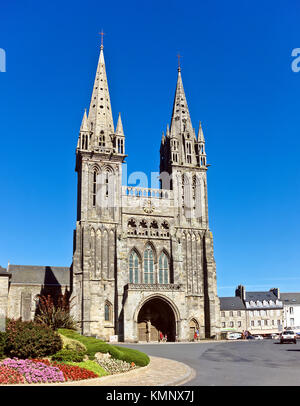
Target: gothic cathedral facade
{"type": "Point", "coordinates": [143, 259]}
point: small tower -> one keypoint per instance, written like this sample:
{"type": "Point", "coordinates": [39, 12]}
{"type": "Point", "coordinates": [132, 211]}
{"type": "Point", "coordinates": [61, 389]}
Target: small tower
{"type": "Point", "coordinates": [119, 138]}
{"type": "Point", "coordinates": [201, 155]}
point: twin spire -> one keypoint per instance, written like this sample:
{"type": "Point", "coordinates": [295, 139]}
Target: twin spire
{"type": "Point", "coordinates": [99, 121]}
{"type": "Point", "coordinates": [181, 120]}
{"type": "Point", "coordinates": [100, 113]}
{"type": "Point", "coordinates": [97, 127]}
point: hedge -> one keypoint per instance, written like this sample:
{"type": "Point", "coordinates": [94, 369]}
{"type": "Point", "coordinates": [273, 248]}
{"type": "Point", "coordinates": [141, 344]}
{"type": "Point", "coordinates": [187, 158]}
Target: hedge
{"type": "Point", "coordinates": [95, 345]}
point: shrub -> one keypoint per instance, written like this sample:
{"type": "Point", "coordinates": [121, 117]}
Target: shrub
{"type": "Point", "coordinates": [94, 345]}
{"type": "Point", "coordinates": [26, 339]}
{"type": "Point", "coordinates": [55, 313]}
{"type": "Point", "coordinates": [72, 344]}
{"type": "Point", "coordinates": [2, 344]}
{"type": "Point", "coordinates": [129, 355]}
{"type": "Point", "coordinates": [68, 355]}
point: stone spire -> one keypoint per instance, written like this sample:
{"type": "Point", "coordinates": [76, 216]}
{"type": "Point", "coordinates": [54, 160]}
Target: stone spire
{"type": "Point", "coordinates": [84, 123]}
{"type": "Point", "coordinates": [200, 134]}
{"type": "Point", "coordinates": [100, 113]}
{"type": "Point", "coordinates": [120, 137]}
{"type": "Point", "coordinates": [181, 120]}
{"type": "Point", "coordinates": [201, 147]}
{"type": "Point", "coordinates": [119, 129]}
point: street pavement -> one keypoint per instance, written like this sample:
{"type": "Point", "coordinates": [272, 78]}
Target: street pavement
{"type": "Point", "coordinates": [240, 363]}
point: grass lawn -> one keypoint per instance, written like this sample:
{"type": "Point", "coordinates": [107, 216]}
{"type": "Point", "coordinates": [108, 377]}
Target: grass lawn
{"type": "Point", "coordinates": [94, 345]}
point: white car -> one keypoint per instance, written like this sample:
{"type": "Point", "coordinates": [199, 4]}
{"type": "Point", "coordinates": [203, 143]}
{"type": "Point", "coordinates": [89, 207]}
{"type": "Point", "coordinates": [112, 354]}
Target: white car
{"type": "Point", "coordinates": [288, 336]}
{"type": "Point", "coordinates": [234, 336]}
{"type": "Point", "coordinates": [258, 337]}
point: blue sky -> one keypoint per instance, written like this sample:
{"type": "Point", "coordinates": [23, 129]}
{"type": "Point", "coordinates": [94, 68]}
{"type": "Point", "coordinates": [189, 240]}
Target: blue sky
{"type": "Point", "coordinates": [237, 75]}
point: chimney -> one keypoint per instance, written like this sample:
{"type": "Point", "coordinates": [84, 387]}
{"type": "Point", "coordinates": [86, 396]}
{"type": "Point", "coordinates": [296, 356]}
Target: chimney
{"type": "Point", "coordinates": [241, 292]}
{"type": "Point", "coordinates": [276, 292]}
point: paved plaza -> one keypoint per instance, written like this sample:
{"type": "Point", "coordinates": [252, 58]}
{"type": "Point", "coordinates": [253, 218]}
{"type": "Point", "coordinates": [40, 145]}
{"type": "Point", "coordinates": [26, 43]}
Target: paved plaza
{"type": "Point", "coordinates": [240, 363]}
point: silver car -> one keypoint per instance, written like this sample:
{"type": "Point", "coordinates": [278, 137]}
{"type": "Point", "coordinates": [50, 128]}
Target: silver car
{"type": "Point", "coordinates": [288, 336]}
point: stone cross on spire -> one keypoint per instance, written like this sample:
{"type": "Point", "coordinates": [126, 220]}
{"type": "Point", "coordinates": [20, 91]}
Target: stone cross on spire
{"type": "Point", "coordinates": [179, 56]}
{"type": "Point", "coordinates": [102, 34]}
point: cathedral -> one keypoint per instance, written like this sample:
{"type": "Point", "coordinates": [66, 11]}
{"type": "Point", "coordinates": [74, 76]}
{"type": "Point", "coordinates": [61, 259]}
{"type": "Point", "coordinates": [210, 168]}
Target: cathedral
{"type": "Point", "coordinates": [143, 258]}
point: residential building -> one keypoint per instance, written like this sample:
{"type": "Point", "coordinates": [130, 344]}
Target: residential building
{"type": "Point", "coordinates": [262, 311]}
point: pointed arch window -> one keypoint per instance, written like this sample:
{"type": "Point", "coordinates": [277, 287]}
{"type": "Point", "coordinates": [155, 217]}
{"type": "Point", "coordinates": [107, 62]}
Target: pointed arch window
{"type": "Point", "coordinates": [102, 139]}
{"type": "Point", "coordinates": [107, 311]}
{"type": "Point", "coordinates": [148, 265]}
{"type": "Point", "coordinates": [106, 183]}
{"type": "Point", "coordinates": [94, 187]}
{"type": "Point", "coordinates": [163, 269]}
{"type": "Point", "coordinates": [120, 146]}
{"type": "Point", "coordinates": [134, 268]}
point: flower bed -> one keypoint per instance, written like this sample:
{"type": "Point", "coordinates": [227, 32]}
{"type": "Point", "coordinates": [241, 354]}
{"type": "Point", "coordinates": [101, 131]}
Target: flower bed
{"type": "Point", "coordinates": [40, 371]}
{"type": "Point", "coordinates": [9, 376]}
{"type": "Point", "coordinates": [34, 372]}
{"type": "Point", "coordinates": [115, 366]}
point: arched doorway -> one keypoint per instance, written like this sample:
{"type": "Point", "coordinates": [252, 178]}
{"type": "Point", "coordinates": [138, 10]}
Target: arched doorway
{"type": "Point", "coordinates": [154, 316]}
{"type": "Point", "coordinates": [193, 327]}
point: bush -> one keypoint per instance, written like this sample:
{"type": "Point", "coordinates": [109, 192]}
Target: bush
{"type": "Point", "coordinates": [2, 344]}
{"type": "Point", "coordinates": [55, 313]}
{"type": "Point", "coordinates": [94, 345]}
{"type": "Point", "coordinates": [26, 339]}
{"type": "Point", "coordinates": [68, 355]}
{"type": "Point", "coordinates": [129, 355]}
{"type": "Point", "coordinates": [71, 344]}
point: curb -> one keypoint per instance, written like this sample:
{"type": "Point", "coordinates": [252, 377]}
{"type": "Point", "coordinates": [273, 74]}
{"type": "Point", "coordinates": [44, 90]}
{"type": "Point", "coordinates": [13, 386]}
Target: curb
{"type": "Point", "coordinates": [190, 374]}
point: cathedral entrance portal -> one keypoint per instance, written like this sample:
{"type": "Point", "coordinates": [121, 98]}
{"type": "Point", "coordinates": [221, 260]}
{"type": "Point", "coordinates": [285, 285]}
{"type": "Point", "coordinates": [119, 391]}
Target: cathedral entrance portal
{"type": "Point", "coordinates": [156, 316]}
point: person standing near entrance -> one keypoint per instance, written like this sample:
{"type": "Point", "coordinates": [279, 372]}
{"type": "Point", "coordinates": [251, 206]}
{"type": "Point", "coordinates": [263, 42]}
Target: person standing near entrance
{"type": "Point", "coordinates": [161, 337]}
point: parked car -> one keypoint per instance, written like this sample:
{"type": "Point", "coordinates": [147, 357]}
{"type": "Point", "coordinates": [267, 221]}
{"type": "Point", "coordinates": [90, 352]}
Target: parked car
{"type": "Point", "coordinates": [275, 336]}
{"type": "Point", "coordinates": [258, 337]}
{"type": "Point", "coordinates": [288, 336]}
{"type": "Point", "coordinates": [234, 336]}
{"type": "Point", "coordinates": [250, 337]}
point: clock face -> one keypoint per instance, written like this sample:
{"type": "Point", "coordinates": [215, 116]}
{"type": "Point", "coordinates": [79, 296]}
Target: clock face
{"type": "Point", "coordinates": [148, 207]}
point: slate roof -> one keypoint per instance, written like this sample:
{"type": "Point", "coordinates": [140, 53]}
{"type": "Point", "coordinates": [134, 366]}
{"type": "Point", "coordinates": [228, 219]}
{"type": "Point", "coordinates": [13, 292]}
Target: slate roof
{"type": "Point", "coordinates": [255, 296]}
{"type": "Point", "coordinates": [290, 298]}
{"type": "Point", "coordinates": [3, 271]}
{"type": "Point", "coordinates": [231, 303]}
{"type": "Point", "coordinates": [39, 275]}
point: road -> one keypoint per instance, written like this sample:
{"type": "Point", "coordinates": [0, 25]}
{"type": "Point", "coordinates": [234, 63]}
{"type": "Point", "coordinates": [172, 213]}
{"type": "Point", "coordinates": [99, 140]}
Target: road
{"type": "Point", "coordinates": [250, 362]}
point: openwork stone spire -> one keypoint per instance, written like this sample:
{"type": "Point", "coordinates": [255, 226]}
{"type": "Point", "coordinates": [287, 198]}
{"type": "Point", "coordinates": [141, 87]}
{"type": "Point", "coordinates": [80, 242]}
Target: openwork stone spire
{"type": "Point", "coordinates": [181, 120]}
{"type": "Point", "coordinates": [100, 115]}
